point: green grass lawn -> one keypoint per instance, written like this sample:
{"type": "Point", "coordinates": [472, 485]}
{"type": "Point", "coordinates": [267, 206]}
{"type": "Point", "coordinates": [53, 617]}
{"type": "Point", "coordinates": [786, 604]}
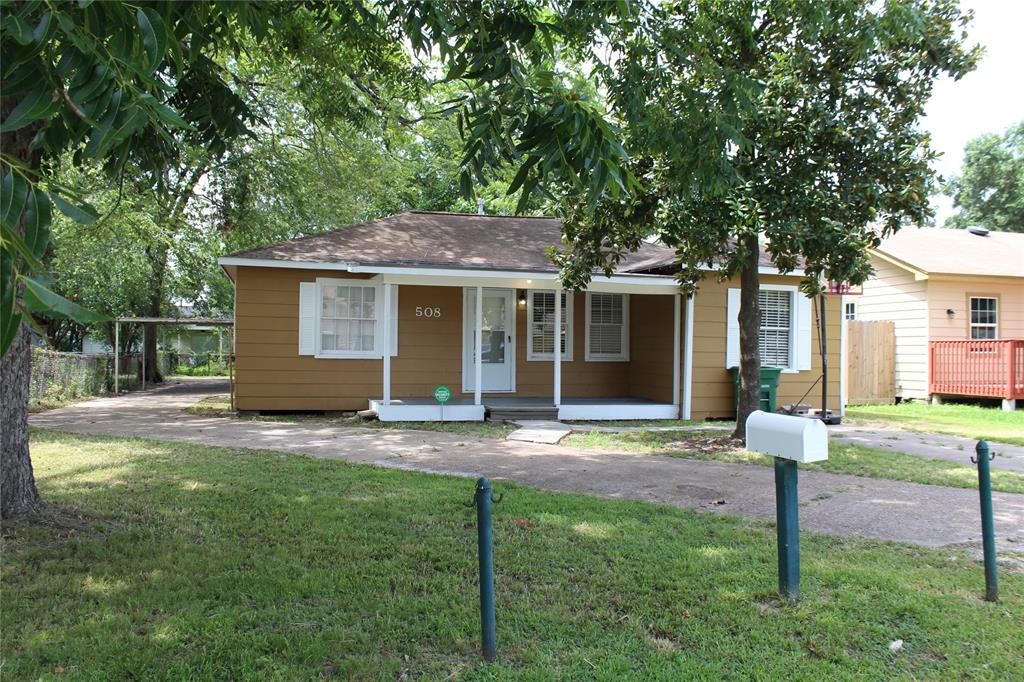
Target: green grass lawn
{"type": "Point", "coordinates": [843, 458]}
{"type": "Point", "coordinates": [971, 421]}
{"type": "Point", "coordinates": [174, 561]}
{"type": "Point", "coordinates": [219, 406]}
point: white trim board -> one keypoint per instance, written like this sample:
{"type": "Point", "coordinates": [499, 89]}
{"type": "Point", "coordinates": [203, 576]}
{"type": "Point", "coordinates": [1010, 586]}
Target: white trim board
{"type": "Point", "coordinates": [524, 278]}
{"type": "Point", "coordinates": [613, 410]}
{"type": "Point", "coordinates": [397, 412]}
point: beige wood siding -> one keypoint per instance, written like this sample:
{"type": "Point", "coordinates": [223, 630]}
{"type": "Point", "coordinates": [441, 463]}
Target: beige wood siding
{"type": "Point", "coordinates": [580, 379]}
{"type": "Point", "coordinates": [271, 375]}
{"type": "Point", "coordinates": [651, 346]}
{"type": "Point", "coordinates": [712, 383]}
{"type": "Point", "coordinates": [894, 294]}
{"type": "Point", "coordinates": [954, 293]}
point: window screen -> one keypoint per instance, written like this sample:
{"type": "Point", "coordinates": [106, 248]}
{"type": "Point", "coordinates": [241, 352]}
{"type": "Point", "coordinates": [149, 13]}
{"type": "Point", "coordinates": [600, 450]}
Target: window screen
{"type": "Point", "coordinates": [607, 325]}
{"type": "Point", "coordinates": [776, 326]}
{"type": "Point", "coordinates": [984, 318]}
{"type": "Point", "coordinates": [542, 324]}
{"type": "Point", "coordinates": [348, 319]}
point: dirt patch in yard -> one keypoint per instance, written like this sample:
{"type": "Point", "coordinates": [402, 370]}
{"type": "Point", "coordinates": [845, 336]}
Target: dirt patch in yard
{"type": "Point", "coordinates": [707, 445]}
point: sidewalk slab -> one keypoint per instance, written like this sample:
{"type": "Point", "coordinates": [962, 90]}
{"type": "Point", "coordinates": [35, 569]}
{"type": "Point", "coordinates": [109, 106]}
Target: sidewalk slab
{"type": "Point", "coordinates": [539, 431]}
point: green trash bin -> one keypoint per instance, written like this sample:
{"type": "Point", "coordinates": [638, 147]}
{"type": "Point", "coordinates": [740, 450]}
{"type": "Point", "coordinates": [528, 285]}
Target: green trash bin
{"type": "Point", "coordinates": [769, 387]}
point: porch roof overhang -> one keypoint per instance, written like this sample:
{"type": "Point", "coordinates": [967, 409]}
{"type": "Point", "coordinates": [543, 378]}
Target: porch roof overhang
{"type": "Point", "coordinates": [638, 283]}
{"type": "Point", "coordinates": [461, 277]}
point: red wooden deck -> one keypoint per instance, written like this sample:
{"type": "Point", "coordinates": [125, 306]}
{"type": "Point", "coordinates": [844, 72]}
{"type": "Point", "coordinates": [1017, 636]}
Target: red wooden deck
{"type": "Point", "coordinates": [986, 369]}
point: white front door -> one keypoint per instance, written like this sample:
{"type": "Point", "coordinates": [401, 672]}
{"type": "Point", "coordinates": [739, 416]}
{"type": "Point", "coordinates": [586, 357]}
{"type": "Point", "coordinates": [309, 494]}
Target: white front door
{"type": "Point", "coordinates": [498, 334]}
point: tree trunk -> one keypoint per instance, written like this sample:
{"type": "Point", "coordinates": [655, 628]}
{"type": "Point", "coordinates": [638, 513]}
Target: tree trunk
{"type": "Point", "coordinates": [750, 324]}
{"type": "Point", "coordinates": [18, 494]}
{"type": "Point", "coordinates": [158, 264]}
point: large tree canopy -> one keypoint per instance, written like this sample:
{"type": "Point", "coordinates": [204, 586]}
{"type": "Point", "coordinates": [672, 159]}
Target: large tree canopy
{"type": "Point", "coordinates": [142, 86]}
{"type": "Point", "coordinates": [989, 191]}
{"type": "Point", "coordinates": [788, 124]}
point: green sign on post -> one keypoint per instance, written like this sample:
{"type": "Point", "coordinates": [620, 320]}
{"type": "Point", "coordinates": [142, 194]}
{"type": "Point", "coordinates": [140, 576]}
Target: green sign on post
{"type": "Point", "coordinates": [442, 394]}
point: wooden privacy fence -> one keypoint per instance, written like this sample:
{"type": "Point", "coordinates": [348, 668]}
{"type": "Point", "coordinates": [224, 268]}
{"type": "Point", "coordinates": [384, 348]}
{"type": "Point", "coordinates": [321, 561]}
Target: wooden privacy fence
{"type": "Point", "coordinates": [986, 369]}
{"type": "Point", "coordinates": [871, 362]}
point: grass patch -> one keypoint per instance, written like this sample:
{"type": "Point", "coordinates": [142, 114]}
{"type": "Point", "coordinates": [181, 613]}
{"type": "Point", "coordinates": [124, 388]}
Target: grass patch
{"type": "Point", "coordinates": [53, 403]}
{"type": "Point", "coordinates": [843, 458]}
{"type": "Point", "coordinates": [970, 421]}
{"type": "Point", "coordinates": [219, 406]}
{"type": "Point", "coordinates": [190, 561]}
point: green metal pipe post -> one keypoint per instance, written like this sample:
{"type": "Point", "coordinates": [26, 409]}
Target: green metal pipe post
{"type": "Point", "coordinates": [787, 524]}
{"type": "Point", "coordinates": [483, 501]}
{"type": "Point", "coordinates": [988, 531]}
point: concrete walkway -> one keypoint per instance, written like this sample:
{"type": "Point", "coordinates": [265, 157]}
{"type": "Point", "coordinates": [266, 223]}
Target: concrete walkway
{"type": "Point", "coordinates": [937, 445]}
{"type": "Point", "coordinates": [831, 503]}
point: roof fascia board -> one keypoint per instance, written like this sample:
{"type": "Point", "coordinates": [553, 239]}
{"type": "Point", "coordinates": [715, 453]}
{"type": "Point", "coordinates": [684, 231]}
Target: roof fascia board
{"type": "Point", "coordinates": [640, 279]}
{"type": "Point", "coordinates": [917, 272]}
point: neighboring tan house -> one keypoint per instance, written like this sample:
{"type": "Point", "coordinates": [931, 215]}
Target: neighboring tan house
{"type": "Point", "coordinates": [381, 314]}
{"type": "Point", "coordinates": [956, 297]}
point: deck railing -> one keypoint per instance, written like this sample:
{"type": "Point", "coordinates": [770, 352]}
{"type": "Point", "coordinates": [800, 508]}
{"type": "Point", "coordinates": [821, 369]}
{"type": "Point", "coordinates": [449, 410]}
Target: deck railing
{"type": "Point", "coordinates": [986, 369]}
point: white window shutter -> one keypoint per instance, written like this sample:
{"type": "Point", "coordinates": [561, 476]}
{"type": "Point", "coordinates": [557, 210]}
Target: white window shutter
{"type": "Point", "coordinates": [307, 318]}
{"type": "Point", "coordinates": [732, 330]}
{"type": "Point", "coordinates": [802, 341]}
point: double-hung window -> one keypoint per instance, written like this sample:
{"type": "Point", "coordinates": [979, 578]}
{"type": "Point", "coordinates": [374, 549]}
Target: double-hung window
{"type": "Point", "coordinates": [776, 329]}
{"type": "Point", "coordinates": [541, 334]}
{"type": "Point", "coordinates": [984, 317]}
{"type": "Point", "coordinates": [607, 327]}
{"type": "Point", "coordinates": [348, 320]}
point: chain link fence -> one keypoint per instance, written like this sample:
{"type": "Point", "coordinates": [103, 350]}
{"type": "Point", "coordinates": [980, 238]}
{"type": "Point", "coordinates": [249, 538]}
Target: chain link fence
{"type": "Point", "coordinates": [61, 377]}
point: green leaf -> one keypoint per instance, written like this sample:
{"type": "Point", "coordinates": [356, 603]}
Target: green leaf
{"type": "Point", "coordinates": [16, 243]}
{"type": "Point", "coordinates": [15, 189]}
{"type": "Point", "coordinates": [38, 216]}
{"type": "Point", "coordinates": [9, 317]}
{"type": "Point", "coordinates": [16, 27]}
{"type": "Point", "coordinates": [36, 104]}
{"type": "Point", "coordinates": [154, 36]}
{"type": "Point", "coordinates": [166, 114]}
{"type": "Point", "coordinates": [84, 213]}
{"type": "Point", "coordinates": [42, 300]}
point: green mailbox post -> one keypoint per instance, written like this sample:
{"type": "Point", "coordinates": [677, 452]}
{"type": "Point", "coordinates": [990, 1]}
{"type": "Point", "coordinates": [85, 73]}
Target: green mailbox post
{"type": "Point", "coordinates": [769, 387]}
{"type": "Point", "coordinates": [790, 440]}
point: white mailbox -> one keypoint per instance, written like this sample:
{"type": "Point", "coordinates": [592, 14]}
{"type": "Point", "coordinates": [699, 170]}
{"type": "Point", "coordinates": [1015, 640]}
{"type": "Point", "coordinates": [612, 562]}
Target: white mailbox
{"type": "Point", "coordinates": [797, 438]}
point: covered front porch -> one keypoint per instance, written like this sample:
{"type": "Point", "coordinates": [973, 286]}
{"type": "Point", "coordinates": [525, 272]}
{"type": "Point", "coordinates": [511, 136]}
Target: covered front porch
{"type": "Point", "coordinates": [622, 348]}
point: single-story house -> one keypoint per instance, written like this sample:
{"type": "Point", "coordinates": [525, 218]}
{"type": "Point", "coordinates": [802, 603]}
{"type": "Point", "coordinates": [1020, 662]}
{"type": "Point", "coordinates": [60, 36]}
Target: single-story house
{"type": "Point", "coordinates": [382, 313]}
{"type": "Point", "coordinates": [956, 297]}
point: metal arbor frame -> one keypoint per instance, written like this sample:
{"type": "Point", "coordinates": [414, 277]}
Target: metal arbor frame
{"type": "Point", "coordinates": [207, 321]}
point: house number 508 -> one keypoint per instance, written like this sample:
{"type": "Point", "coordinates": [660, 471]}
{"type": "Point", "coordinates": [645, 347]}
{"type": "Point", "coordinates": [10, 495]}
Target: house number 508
{"type": "Point", "coordinates": [427, 312]}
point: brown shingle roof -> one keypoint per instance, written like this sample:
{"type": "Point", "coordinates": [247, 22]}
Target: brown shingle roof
{"type": "Point", "coordinates": [455, 240]}
{"type": "Point", "coordinates": [449, 240]}
{"type": "Point", "coordinates": [937, 250]}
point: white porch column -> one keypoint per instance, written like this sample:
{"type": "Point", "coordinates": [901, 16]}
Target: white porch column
{"type": "Point", "coordinates": [478, 361]}
{"type": "Point", "coordinates": [117, 357]}
{"type": "Point", "coordinates": [557, 350]}
{"type": "Point", "coordinates": [688, 361]}
{"type": "Point", "coordinates": [676, 340]}
{"type": "Point", "coordinates": [387, 343]}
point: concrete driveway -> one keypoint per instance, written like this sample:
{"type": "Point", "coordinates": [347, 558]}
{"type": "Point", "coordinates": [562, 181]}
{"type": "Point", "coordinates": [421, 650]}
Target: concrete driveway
{"type": "Point", "coordinates": [937, 445]}
{"type": "Point", "coordinates": [830, 503]}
